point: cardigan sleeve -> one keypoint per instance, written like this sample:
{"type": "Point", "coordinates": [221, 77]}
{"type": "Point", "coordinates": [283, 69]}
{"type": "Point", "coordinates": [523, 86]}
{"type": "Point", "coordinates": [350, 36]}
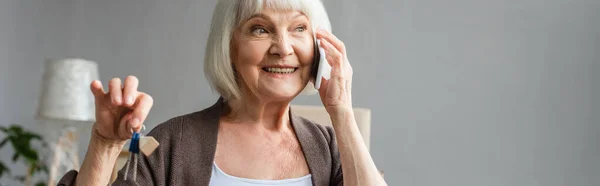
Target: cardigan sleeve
{"type": "Point", "coordinates": [144, 177]}
{"type": "Point", "coordinates": [337, 177]}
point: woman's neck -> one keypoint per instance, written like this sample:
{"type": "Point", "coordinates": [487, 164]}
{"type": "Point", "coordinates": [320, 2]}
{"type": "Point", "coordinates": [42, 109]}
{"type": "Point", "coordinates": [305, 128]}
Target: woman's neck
{"type": "Point", "coordinates": [272, 115]}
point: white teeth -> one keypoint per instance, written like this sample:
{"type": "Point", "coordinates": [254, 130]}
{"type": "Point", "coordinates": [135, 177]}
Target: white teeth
{"type": "Point", "coordinates": [280, 70]}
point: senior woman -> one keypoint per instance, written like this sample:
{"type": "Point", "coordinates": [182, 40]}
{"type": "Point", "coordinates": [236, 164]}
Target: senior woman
{"type": "Point", "coordinates": [258, 58]}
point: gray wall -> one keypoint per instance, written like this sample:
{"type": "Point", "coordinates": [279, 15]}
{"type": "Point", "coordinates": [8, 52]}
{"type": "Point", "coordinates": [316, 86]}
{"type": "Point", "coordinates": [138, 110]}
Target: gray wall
{"type": "Point", "coordinates": [463, 92]}
{"type": "Point", "coordinates": [30, 32]}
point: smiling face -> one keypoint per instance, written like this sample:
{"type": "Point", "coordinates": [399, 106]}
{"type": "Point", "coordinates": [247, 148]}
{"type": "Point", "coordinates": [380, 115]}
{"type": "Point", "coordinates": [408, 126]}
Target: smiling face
{"type": "Point", "coordinates": [272, 54]}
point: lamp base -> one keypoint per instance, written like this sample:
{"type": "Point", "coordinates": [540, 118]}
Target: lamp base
{"type": "Point", "coordinates": [64, 154]}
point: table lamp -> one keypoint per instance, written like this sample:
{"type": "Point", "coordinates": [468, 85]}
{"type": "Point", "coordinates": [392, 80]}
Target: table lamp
{"type": "Point", "coordinates": [65, 102]}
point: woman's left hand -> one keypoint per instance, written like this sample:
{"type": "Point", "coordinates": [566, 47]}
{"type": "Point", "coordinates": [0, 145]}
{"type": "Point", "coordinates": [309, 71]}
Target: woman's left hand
{"type": "Point", "coordinates": [336, 95]}
{"type": "Point", "coordinates": [336, 92]}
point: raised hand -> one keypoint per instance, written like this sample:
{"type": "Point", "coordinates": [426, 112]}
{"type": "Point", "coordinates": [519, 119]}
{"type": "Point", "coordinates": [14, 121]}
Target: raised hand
{"type": "Point", "coordinates": [120, 111]}
{"type": "Point", "coordinates": [336, 93]}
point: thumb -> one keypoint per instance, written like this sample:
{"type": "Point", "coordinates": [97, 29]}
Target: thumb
{"type": "Point", "coordinates": [97, 90]}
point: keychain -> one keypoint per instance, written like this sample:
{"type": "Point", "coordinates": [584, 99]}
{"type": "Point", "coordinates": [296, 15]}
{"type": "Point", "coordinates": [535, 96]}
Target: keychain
{"type": "Point", "coordinates": [137, 144]}
{"type": "Point", "coordinates": [133, 151]}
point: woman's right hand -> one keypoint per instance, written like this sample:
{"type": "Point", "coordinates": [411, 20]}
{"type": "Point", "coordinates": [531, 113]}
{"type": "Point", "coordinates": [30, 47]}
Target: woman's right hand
{"type": "Point", "coordinates": [120, 111]}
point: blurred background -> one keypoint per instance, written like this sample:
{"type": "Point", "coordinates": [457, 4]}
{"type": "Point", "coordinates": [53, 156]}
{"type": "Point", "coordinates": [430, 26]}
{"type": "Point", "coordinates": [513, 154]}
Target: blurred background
{"type": "Point", "coordinates": [462, 93]}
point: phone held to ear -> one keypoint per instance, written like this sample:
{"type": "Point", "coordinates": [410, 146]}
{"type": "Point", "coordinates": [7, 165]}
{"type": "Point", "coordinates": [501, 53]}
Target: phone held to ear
{"type": "Point", "coordinates": [320, 68]}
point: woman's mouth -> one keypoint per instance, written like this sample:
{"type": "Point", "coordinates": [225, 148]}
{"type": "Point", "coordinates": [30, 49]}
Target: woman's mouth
{"type": "Point", "coordinates": [280, 70]}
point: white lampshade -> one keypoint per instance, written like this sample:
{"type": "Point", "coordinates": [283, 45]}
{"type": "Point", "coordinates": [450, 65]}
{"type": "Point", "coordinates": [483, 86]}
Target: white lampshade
{"type": "Point", "coordinates": [66, 91]}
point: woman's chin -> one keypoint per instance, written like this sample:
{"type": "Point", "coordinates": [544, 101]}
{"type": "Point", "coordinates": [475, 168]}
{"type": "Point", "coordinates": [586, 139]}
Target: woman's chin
{"type": "Point", "coordinates": [280, 93]}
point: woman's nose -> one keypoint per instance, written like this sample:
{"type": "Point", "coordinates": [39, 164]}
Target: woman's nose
{"type": "Point", "coordinates": [282, 46]}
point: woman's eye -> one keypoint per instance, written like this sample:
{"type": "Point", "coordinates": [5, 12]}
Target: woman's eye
{"type": "Point", "coordinates": [259, 31]}
{"type": "Point", "coordinates": [301, 29]}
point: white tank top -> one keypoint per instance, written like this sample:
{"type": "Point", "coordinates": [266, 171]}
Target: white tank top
{"type": "Point", "coordinates": [220, 178]}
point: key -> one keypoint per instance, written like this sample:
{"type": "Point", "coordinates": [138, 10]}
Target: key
{"type": "Point", "coordinates": [138, 143]}
{"type": "Point", "coordinates": [133, 151]}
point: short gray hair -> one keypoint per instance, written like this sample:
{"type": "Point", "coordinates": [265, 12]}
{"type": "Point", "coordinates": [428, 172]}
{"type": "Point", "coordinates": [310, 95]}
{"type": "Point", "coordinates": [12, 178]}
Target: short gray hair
{"type": "Point", "coordinates": [227, 16]}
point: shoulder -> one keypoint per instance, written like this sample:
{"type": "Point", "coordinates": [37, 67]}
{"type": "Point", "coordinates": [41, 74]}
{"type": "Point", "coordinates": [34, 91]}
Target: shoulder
{"type": "Point", "coordinates": [176, 126]}
{"type": "Point", "coordinates": [198, 129]}
{"type": "Point", "coordinates": [168, 128]}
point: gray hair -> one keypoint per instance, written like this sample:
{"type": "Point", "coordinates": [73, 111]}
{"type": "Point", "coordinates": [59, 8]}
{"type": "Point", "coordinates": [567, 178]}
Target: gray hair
{"type": "Point", "coordinates": [227, 16]}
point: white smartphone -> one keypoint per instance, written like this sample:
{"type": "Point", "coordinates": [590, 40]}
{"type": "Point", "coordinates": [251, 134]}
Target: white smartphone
{"type": "Point", "coordinates": [320, 67]}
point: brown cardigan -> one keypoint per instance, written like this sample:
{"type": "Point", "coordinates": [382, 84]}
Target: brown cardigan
{"type": "Point", "coordinates": [188, 144]}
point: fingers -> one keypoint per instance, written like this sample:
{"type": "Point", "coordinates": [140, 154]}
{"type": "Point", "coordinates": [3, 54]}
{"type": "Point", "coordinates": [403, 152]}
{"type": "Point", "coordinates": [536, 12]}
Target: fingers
{"type": "Point", "coordinates": [133, 119]}
{"type": "Point", "coordinates": [130, 90]}
{"type": "Point", "coordinates": [332, 54]}
{"type": "Point", "coordinates": [97, 90]}
{"type": "Point", "coordinates": [124, 129]}
{"type": "Point", "coordinates": [141, 109]}
{"type": "Point", "coordinates": [123, 94]}
{"type": "Point", "coordinates": [114, 89]}
{"type": "Point", "coordinates": [129, 107]}
{"type": "Point", "coordinates": [332, 39]}
{"type": "Point", "coordinates": [335, 53]}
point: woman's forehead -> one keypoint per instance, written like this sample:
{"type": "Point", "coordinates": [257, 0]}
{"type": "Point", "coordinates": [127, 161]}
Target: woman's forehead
{"type": "Point", "coordinates": [270, 14]}
{"type": "Point", "coordinates": [250, 8]}
{"type": "Point", "coordinates": [281, 5]}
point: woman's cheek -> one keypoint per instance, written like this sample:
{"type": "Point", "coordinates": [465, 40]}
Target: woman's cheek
{"type": "Point", "coordinates": [304, 51]}
{"type": "Point", "coordinates": [253, 50]}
